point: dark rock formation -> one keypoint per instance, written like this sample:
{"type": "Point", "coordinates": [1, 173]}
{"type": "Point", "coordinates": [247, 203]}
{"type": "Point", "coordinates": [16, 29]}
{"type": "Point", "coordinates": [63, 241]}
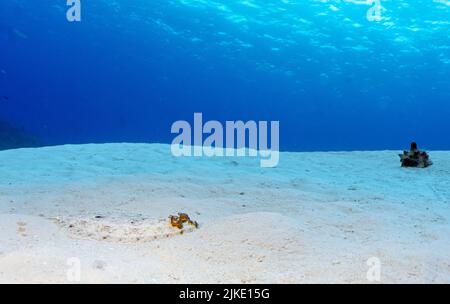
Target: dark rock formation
{"type": "Point", "coordinates": [415, 158]}
{"type": "Point", "coordinates": [12, 137]}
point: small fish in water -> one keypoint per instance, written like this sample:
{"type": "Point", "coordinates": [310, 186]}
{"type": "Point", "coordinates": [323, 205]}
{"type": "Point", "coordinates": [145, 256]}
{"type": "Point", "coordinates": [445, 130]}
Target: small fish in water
{"type": "Point", "coordinates": [12, 34]}
{"type": "Point", "coordinates": [19, 34]}
{"type": "Point", "coordinates": [5, 97]}
{"type": "Point", "coordinates": [3, 72]}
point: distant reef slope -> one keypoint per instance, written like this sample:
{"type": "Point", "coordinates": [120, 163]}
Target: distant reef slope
{"type": "Point", "coordinates": [12, 137]}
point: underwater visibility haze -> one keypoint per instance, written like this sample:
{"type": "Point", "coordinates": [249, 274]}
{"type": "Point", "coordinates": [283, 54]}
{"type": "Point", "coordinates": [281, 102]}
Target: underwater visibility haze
{"type": "Point", "coordinates": [366, 78]}
{"type": "Point", "coordinates": [333, 78]}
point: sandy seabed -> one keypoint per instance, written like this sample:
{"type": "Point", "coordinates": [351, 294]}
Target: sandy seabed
{"type": "Point", "coordinates": [317, 218]}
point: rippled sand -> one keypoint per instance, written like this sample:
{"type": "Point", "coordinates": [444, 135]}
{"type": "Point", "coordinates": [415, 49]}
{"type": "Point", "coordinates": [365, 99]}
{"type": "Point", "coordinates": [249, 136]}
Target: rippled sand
{"type": "Point", "coordinates": [318, 217]}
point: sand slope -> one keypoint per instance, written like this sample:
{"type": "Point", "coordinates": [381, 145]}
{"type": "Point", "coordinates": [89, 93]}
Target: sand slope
{"type": "Point", "coordinates": [318, 217]}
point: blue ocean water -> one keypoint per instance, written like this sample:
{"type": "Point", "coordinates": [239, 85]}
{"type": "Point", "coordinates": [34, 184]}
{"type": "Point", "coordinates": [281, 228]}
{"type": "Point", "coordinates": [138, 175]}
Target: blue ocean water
{"type": "Point", "coordinates": [130, 68]}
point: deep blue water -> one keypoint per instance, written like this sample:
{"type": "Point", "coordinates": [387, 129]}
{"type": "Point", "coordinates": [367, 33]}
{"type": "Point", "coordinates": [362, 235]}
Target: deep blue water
{"type": "Point", "coordinates": [130, 68]}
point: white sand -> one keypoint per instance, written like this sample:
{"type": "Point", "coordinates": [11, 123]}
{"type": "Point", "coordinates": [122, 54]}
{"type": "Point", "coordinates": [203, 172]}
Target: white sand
{"type": "Point", "coordinates": [318, 217]}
